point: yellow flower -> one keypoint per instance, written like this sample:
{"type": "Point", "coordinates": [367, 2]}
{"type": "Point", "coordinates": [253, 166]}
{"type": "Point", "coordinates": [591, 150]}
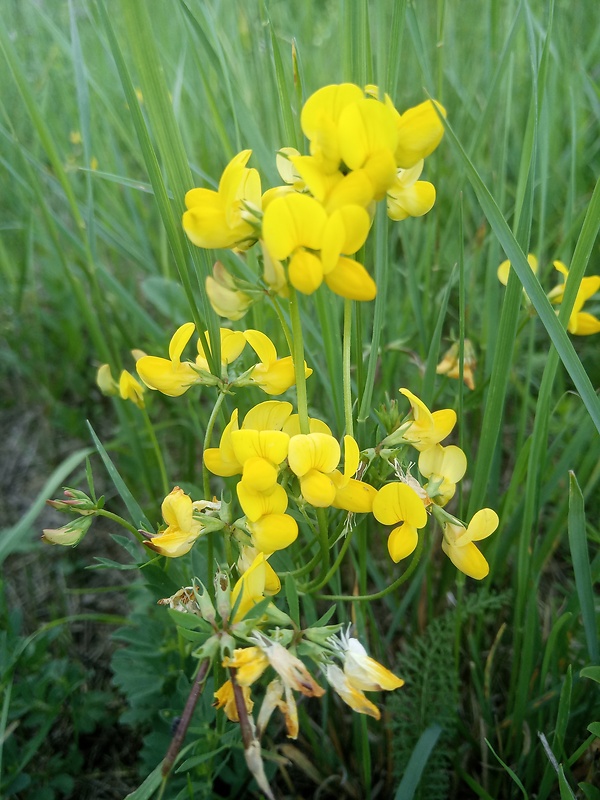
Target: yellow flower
{"type": "Point", "coordinates": [426, 428]}
{"type": "Point", "coordinates": [250, 588]}
{"type": "Point", "coordinates": [273, 375]}
{"type": "Point", "coordinates": [232, 345]}
{"type": "Point", "coordinates": [420, 130]}
{"type": "Point", "coordinates": [504, 268]}
{"type": "Point", "coordinates": [225, 298]}
{"type": "Point", "coordinates": [130, 389]}
{"type": "Point", "coordinates": [105, 381]}
{"type": "Point", "coordinates": [313, 457]}
{"type": "Point", "coordinates": [220, 219]}
{"type": "Point", "coordinates": [581, 323]}
{"type": "Point", "coordinates": [363, 672]}
{"type": "Point", "coordinates": [297, 226]}
{"type": "Point", "coordinates": [349, 693]}
{"type": "Point", "coordinates": [398, 503]}
{"type": "Point", "coordinates": [182, 529]}
{"type": "Point", "coordinates": [222, 460]}
{"type": "Point", "coordinates": [458, 543]}
{"type": "Point", "coordinates": [225, 699]}
{"type": "Point", "coordinates": [290, 669]}
{"type": "Point", "coordinates": [250, 663]}
{"type": "Point", "coordinates": [444, 466]}
{"type": "Point", "coordinates": [170, 376]}
{"type": "Point", "coordinates": [449, 365]}
{"type": "Point", "coordinates": [245, 561]}
{"type": "Point", "coordinates": [408, 196]}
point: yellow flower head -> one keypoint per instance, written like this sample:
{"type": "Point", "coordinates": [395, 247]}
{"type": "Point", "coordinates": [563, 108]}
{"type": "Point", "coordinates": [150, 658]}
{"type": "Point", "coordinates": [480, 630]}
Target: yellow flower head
{"type": "Point", "coordinates": [408, 196]}
{"type": "Point", "coordinates": [232, 345]}
{"type": "Point", "coordinates": [273, 375]}
{"type": "Point", "coordinates": [420, 131]}
{"type": "Point", "coordinates": [450, 366]}
{"type": "Point", "coordinates": [250, 663]}
{"type": "Point", "coordinates": [458, 543]}
{"type": "Point", "coordinates": [250, 588]}
{"type": "Point", "coordinates": [290, 669]}
{"type": "Point", "coordinates": [130, 389]}
{"type": "Point", "coordinates": [313, 457]}
{"type": "Point", "coordinates": [444, 466]}
{"type": "Point", "coordinates": [581, 323]}
{"type": "Point", "coordinates": [220, 219]}
{"type": "Point", "coordinates": [225, 699]}
{"type": "Point", "coordinates": [170, 376]}
{"type": "Point", "coordinates": [363, 672]}
{"type": "Point", "coordinates": [182, 529]}
{"type": "Point", "coordinates": [225, 298]}
{"type": "Point", "coordinates": [426, 428]}
{"type": "Point", "coordinates": [352, 696]}
{"type": "Point", "coordinates": [398, 503]}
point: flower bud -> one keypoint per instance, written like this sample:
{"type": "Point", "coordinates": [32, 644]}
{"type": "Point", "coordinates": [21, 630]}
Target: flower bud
{"type": "Point", "coordinates": [223, 594]}
{"type": "Point", "coordinates": [69, 535]}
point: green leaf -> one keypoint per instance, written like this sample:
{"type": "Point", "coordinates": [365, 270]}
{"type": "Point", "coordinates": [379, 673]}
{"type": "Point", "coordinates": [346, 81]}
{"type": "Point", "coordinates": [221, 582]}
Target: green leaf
{"type": "Point", "coordinates": [136, 513]}
{"type": "Point", "coordinates": [591, 672]}
{"type": "Point", "coordinates": [581, 565]}
{"type": "Point", "coordinates": [149, 786]}
{"type": "Point", "coordinates": [594, 727]}
{"type": "Point", "coordinates": [417, 762]}
{"type": "Point", "coordinates": [512, 774]}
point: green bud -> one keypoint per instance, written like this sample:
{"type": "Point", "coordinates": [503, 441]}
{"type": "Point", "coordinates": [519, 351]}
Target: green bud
{"type": "Point", "coordinates": [69, 535]}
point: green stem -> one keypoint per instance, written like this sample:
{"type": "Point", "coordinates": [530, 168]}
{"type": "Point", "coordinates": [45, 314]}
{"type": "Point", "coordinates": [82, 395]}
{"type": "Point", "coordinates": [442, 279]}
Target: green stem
{"type": "Point", "coordinates": [283, 322]}
{"type": "Point", "coordinates": [378, 595]}
{"type": "Point", "coordinates": [207, 436]}
{"type": "Point", "coordinates": [323, 537]}
{"type": "Point", "coordinates": [347, 341]}
{"type": "Point", "coordinates": [155, 446]}
{"type": "Point", "coordinates": [101, 512]}
{"type": "Point", "coordinates": [298, 358]}
{"type": "Point", "coordinates": [315, 585]}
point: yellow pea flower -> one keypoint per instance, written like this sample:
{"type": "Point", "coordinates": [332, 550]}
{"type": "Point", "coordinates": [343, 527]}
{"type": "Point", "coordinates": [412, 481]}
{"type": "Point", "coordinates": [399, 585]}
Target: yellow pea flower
{"type": "Point", "coordinates": [420, 131]}
{"type": "Point", "coordinates": [225, 298]}
{"type": "Point", "coordinates": [244, 562]}
{"type": "Point", "coordinates": [319, 120]}
{"type": "Point", "coordinates": [581, 323]}
{"type": "Point", "coordinates": [182, 529]}
{"type": "Point", "coordinates": [444, 466]}
{"type": "Point", "coordinates": [352, 696]}
{"type": "Point", "coordinates": [256, 504]}
{"type": "Point", "coordinates": [458, 543]}
{"type": "Point", "coordinates": [250, 663]}
{"type": "Point", "coordinates": [273, 375]}
{"type": "Point", "coordinates": [222, 460]}
{"type": "Point", "coordinates": [292, 426]}
{"type": "Point", "coordinates": [273, 532]}
{"type": "Point", "coordinates": [449, 365]}
{"type": "Point", "coordinates": [130, 389]}
{"type": "Point", "coordinates": [398, 503]}
{"type": "Point", "coordinates": [504, 268]}
{"type": "Point", "coordinates": [105, 381]}
{"type": "Point", "coordinates": [221, 218]}
{"type": "Point", "coordinates": [250, 588]}
{"type": "Point", "coordinates": [408, 196]}
{"type": "Point", "coordinates": [426, 428]}
{"type": "Point", "coordinates": [170, 376]}
{"type": "Point", "coordinates": [260, 453]}
{"type": "Point", "coordinates": [290, 669]}
{"type": "Point", "coordinates": [312, 457]}
{"type": "Point", "coordinates": [225, 699]}
{"type": "Point", "coordinates": [363, 672]}
{"type": "Point", "coordinates": [232, 345]}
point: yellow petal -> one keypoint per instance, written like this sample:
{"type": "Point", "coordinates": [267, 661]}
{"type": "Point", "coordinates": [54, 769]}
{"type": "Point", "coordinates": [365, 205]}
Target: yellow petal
{"type": "Point", "coordinates": [317, 489]}
{"type": "Point", "coordinates": [262, 346]}
{"type": "Point", "coordinates": [259, 474]}
{"type": "Point", "coordinates": [467, 559]}
{"type": "Point", "coordinates": [449, 462]}
{"type": "Point", "coordinates": [249, 588]}
{"type": "Point", "coordinates": [292, 221]}
{"type": "Point", "coordinates": [179, 340]}
{"type": "Point", "coordinates": [365, 128]}
{"type": "Point", "coordinates": [305, 271]}
{"type": "Point", "coordinates": [268, 416]}
{"type": "Point", "coordinates": [165, 376]}
{"type": "Point", "coordinates": [351, 457]}
{"type": "Point", "coordinates": [420, 130]}
{"type": "Point", "coordinates": [354, 496]}
{"type": "Point", "coordinates": [313, 451]}
{"type": "Point", "coordinates": [397, 502]}
{"type": "Point", "coordinates": [366, 674]}
{"type": "Point", "coordinates": [228, 303]}
{"type": "Point", "coordinates": [270, 445]}
{"type": "Point", "coordinates": [273, 532]}
{"type": "Point", "coordinates": [292, 426]}
{"type": "Point", "coordinates": [351, 280]}
{"type": "Point", "coordinates": [402, 541]}
{"type": "Point", "coordinates": [482, 525]}
{"type": "Point", "coordinates": [277, 377]}
{"type": "Point", "coordinates": [256, 504]}
{"type": "Point", "coordinates": [412, 202]}
{"type": "Point", "coordinates": [174, 544]}
{"type": "Point", "coordinates": [130, 389]}
{"type": "Point", "coordinates": [350, 695]}
{"type": "Point", "coordinates": [585, 324]}
{"type": "Point", "coordinates": [327, 103]}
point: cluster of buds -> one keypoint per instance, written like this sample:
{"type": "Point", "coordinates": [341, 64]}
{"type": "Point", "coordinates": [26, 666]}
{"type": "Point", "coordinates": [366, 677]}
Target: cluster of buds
{"type": "Point", "coordinates": [78, 503]}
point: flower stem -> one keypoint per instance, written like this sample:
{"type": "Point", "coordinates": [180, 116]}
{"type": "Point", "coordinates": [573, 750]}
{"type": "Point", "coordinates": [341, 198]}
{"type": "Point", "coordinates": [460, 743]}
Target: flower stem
{"type": "Point", "coordinates": [157, 451]}
{"type": "Point", "coordinates": [101, 512]}
{"type": "Point", "coordinates": [210, 539]}
{"type": "Point", "coordinates": [378, 595]}
{"type": "Point", "coordinates": [346, 367]}
{"type": "Point", "coordinates": [313, 587]}
{"type": "Point", "coordinates": [298, 359]}
{"type": "Point", "coordinates": [186, 718]}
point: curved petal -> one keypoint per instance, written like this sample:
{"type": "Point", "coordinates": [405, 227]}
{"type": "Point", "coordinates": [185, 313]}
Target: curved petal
{"type": "Point", "coordinates": [467, 559]}
{"type": "Point", "coordinates": [179, 340]}
{"type": "Point", "coordinates": [317, 489]}
{"type": "Point", "coordinates": [313, 451]}
{"type": "Point", "coordinates": [277, 377]}
{"type": "Point", "coordinates": [402, 541]}
{"type": "Point", "coordinates": [262, 346]}
{"type": "Point", "coordinates": [292, 221]}
{"type": "Point", "coordinates": [396, 502]}
{"type": "Point", "coordinates": [365, 127]}
{"type": "Point", "coordinates": [268, 416]}
{"type": "Point", "coordinates": [351, 280]}
{"type": "Point", "coordinates": [165, 376]}
{"type": "Point", "coordinates": [420, 130]}
{"type": "Point", "coordinates": [257, 504]}
{"type": "Point", "coordinates": [305, 271]}
{"type": "Point", "coordinates": [354, 496]}
{"type": "Point", "coordinates": [273, 532]}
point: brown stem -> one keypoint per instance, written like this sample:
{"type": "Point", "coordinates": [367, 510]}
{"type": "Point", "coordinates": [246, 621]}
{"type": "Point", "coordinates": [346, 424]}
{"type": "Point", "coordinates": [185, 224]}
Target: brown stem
{"type": "Point", "coordinates": [246, 726]}
{"type": "Point", "coordinates": [186, 717]}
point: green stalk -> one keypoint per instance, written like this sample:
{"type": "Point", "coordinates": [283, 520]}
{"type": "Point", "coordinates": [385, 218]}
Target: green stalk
{"type": "Point", "coordinates": [155, 446]}
{"type": "Point", "coordinates": [206, 444]}
{"type": "Point", "coordinates": [346, 367]}
{"type": "Point", "coordinates": [102, 512]}
{"type": "Point", "coordinates": [378, 595]}
{"type": "Point", "coordinates": [298, 358]}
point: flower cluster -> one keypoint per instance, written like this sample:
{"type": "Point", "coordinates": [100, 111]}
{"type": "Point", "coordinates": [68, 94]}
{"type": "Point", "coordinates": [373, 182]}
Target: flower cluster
{"type": "Point", "coordinates": [581, 323]}
{"type": "Point", "coordinates": [362, 150]}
